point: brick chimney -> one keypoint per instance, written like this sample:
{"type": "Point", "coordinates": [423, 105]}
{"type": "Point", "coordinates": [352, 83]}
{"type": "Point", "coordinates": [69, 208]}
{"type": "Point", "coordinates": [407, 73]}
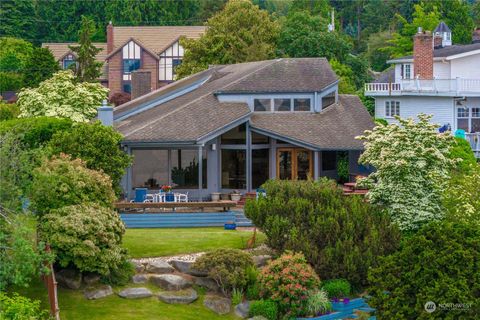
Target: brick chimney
{"type": "Point", "coordinates": [109, 37]}
{"type": "Point", "coordinates": [423, 55]}
{"type": "Point", "coordinates": [141, 83]}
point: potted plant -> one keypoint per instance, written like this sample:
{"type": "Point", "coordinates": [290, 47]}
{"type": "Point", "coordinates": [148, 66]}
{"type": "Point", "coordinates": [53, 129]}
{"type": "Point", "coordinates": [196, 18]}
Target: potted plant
{"type": "Point", "coordinates": [235, 195]}
{"type": "Point", "coordinates": [169, 196]}
{"type": "Point", "coordinates": [215, 196]}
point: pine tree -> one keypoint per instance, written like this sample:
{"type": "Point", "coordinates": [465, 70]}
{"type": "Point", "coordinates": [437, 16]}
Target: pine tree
{"type": "Point", "coordinates": [87, 69]}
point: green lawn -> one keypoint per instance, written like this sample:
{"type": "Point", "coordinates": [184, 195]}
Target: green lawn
{"type": "Point", "coordinates": [73, 306]}
{"type": "Point", "coordinates": [166, 242]}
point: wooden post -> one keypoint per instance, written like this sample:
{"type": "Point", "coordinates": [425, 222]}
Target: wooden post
{"type": "Point", "coordinates": [51, 285]}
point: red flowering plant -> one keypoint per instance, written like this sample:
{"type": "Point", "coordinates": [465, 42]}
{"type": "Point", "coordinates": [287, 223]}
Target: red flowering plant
{"type": "Point", "coordinates": [166, 188]}
{"type": "Point", "coordinates": [288, 281]}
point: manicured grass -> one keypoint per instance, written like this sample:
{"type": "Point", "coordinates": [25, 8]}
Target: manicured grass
{"type": "Point", "coordinates": [73, 306]}
{"type": "Point", "coordinates": [167, 242]}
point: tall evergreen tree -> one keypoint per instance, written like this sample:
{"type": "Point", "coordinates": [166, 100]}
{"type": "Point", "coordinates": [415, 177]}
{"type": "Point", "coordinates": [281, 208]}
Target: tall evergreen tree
{"type": "Point", "coordinates": [39, 67]}
{"type": "Point", "coordinates": [16, 19]}
{"type": "Point", "coordinates": [87, 69]}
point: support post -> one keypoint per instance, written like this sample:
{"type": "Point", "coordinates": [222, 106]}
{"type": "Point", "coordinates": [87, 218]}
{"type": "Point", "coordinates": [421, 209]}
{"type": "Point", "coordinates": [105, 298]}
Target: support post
{"type": "Point", "coordinates": [200, 172]}
{"type": "Point", "coordinates": [249, 157]}
{"type": "Point", "coordinates": [316, 165]}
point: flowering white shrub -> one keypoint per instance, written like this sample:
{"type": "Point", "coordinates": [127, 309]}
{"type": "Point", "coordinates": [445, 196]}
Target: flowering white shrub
{"type": "Point", "coordinates": [61, 97]}
{"type": "Point", "coordinates": [412, 169]}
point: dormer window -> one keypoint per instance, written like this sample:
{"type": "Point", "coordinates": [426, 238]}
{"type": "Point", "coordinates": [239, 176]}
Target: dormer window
{"type": "Point", "coordinates": [261, 105]}
{"type": "Point", "coordinates": [131, 62]}
{"type": "Point", "coordinates": [407, 71]}
{"type": "Point", "coordinates": [68, 61]}
{"type": "Point", "coordinates": [301, 104]}
{"type": "Point", "coordinates": [282, 104]}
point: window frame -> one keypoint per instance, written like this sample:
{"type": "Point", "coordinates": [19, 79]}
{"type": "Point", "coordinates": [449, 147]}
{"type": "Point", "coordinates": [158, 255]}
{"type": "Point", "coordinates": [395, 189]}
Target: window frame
{"type": "Point", "coordinates": [404, 71]}
{"type": "Point", "coordinates": [470, 115]}
{"type": "Point", "coordinates": [388, 108]}
{"type": "Point", "coordinates": [273, 97]}
{"type": "Point", "coordinates": [68, 57]}
{"type": "Point", "coordinates": [132, 55]}
{"type": "Point", "coordinates": [166, 61]}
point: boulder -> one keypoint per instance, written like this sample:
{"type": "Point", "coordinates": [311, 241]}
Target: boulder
{"type": "Point", "coordinates": [208, 283]}
{"type": "Point", "coordinates": [170, 282]}
{"type": "Point", "coordinates": [135, 293]}
{"type": "Point", "coordinates": [217, 304]}
{"type": "Point", "coordinates": [69, 278]}
{"type": "Point", "coordinates": [139, 267]}
{"type": "Point", "coordinates": [187, 267]}
{"type": "Point", "coordinates": [91, 279]}
{"type": "Point", "coordinates": [93, 293]}
{"type": "Point", "coordinates": [242, 309]}
{"type": "Point", "coordinates": [159, 267]}
{"type": "Point", "coordinates": [140, 278]}
{"type": "Point", "coordinates": [178, 297]}
{"type": "Point", "coordinates": [261, 260]}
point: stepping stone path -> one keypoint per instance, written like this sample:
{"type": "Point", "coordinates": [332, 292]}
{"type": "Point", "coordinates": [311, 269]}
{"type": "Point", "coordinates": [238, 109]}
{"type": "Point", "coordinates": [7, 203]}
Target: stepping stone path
{"type": "Point", "coordinates": [186, 267]}
{"type": "Point", "coordinates": [242, 309]}
{"type": "Point", "coordinates": [217, 304]}
{"type": "Point", "coordinates": [94, 293]}
{"type": "Point", "coordinates": [170, 282]}
{"type": "Point", "coordinates": [135, 293]}
{"type": "Point", "coordinates": [140, 278]}
{"type": "Point", "coordinates": [159, 267]}
{"type": "Point", "coordinates": [178, 297]}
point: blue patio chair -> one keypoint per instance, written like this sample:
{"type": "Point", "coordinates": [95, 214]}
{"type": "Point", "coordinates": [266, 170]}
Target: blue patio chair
{"type": "Point", "coordinates": [140, 194]}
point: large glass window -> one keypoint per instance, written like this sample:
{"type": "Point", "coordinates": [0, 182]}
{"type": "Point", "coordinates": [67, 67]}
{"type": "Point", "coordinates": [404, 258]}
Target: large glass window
{"type": "Point", "coordinates": [131, 62]}
{"type": "Point", "coordinates": [328, 100]}
{"type": "Point", "coordinates": [169, 60]}
{"type": "Point", "coordinates": [261, 105]}
{"type": "Point", "coordinates": [234, 169]}
{"type": "Point", "coordinates": [462, 118]}
{"type": "Point", "coordinates": [260, 167]}
{"type": "Point", "coordinates": [475, 120]}
{"type": "Point", "coordinates": [235, 136]}
{"type": "Point", "coordinates": [282, 105]}
{"type": "Point", "coordinates": [259, 138]}
{"type": "Point", "coordinates": [184, 169]}
{"type": "Point", "coordinates": [150, 168]}
{"type": "Point", "coordinates": [301, 104]}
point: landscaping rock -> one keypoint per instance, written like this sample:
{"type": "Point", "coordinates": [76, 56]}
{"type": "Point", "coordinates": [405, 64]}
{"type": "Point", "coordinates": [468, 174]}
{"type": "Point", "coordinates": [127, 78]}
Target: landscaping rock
{"type": "Point", "coordinates": [170, 282]}
{"type": "Point", "coordinates": [258, 318]}
{"type": "Point", "coordinates": [139, 267]}
{"type": "Point", "coordinates": [140, 278]}
{"type": "Point", "coordinates": [135, 293]}
{"type": "Point", "coordinates": [91, 279]}
{"type": "Point", "coordinates": [208, 283]}
{"type": "Point", "coordinates": [159, 267]}
{"type": "Point", "coordinates": [242, 309]}
{"type": "Point", "coordinates": [217, 304]}
{"type": "Point", "coordinates": [261, 260]}
{"type": "Point", "coordinates": [178, 297]}
{"type": "Point", "coordinates": [93, 293]}
{"type": "Point", "coordinates": [69, 278]}
{"type": "Point", "coordinates": [186, 267]}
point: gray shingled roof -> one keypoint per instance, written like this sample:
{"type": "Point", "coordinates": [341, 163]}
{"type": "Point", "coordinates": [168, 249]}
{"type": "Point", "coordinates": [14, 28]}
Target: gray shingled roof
{"type": "Point", "coordinates": [447, 51]}
{"type": "Point", "coordinates": [334, 128]}
{"type": "Point", "coordinates": [442, 27]}
{"type": "Point", "coordinates": [197, 114]}
{"type": "Point", "coordinates": [385, 76]}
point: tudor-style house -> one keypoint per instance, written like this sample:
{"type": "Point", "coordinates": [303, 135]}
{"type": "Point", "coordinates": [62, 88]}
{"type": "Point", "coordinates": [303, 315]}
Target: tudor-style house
{"type": "Point", "coordinates": [232, 127]}
{"type": "Point", "coordinates": [440, 78]}
{"type": "Point", "coordinates": [151, 51]}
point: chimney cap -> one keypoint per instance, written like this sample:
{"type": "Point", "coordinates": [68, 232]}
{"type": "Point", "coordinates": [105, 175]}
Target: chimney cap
{"type": "Point", "coordinates": [420, 30]}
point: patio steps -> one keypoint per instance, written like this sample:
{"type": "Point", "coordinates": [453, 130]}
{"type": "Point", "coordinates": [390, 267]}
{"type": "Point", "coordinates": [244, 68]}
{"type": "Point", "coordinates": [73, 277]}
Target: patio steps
{"type": "Point", "coordinates": [184, 220]}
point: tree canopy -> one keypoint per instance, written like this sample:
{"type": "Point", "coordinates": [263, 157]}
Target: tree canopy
{"type": "Point", "coordinates": [241, 32]}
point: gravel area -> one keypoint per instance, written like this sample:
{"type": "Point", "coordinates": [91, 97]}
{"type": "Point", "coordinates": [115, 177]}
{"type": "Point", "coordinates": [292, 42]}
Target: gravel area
{"type": "Point", "coordinates": [182, 257]}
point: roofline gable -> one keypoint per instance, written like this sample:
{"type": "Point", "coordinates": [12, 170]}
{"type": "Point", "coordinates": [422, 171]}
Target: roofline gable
{"type": "Point", "coordinates": [120, 47]}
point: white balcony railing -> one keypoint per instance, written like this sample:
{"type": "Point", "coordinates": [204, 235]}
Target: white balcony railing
{"type": "Point", "coordinates": [474, 140]}
{"type": "Point", "coordinates": [456, 86]}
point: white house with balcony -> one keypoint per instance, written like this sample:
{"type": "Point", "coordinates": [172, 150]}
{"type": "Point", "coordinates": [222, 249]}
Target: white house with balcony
{"type": "Point", "coordinates": [439, 79]}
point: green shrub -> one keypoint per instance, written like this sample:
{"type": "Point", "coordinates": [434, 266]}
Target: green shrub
{"type": "Point", "coordinates": [62, 182]}
{"type": "Point", "coordinates": [86, 236]}
{"type": "Point", "coordinates": [120, 274]}
{"type": "Point", "coordinates": [35, 132]}
{"type": "Point", "coordinates": [97, 145]}
{"type": "Point", "coordinates": [337, 288]}
{"type": "Point", "coordinates": [381, 121]}
{"type": "Point", "coordinates": [263, 308]}
{"type": "Point", "coordinates": [318, 303]}
{"type": "Point", "coordinates": [287, 281]}
{"type": "Point", "coordinates": [8, 111]}
{"type": "Point", "coordinates": [461, 199]}
{"type": "Point", "coordinates": [439, 263]}
{"type": "Point", "coordinates": [343, 167]}
{"type": "Point", "coordinates": [463, 151]}
{"type": "Point", "coordinates": [227, 267]}
{"type": "Point", "coordinates": [237, 296]}
{"type": "Point", "coordinates": [17, 307]}
{"type": "Point", "coordinates": [341, 237]}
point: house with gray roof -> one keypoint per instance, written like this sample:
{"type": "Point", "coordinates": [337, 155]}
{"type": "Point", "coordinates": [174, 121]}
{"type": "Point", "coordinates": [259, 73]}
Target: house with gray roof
{"type": "Point", "coordinates": [232, 127]}
{"type": "Point", "coordinates": [440, 78]}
